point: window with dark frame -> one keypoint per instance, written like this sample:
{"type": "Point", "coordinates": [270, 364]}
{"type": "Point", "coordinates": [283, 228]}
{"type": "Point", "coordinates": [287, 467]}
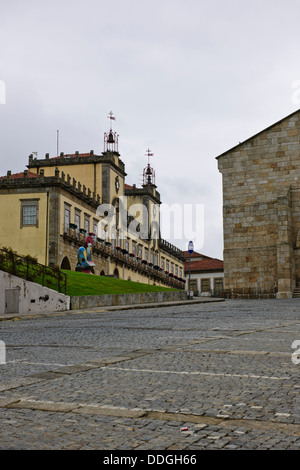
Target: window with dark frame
{"type": "Point", "coordinates": [218, 285]}
{"type": "Point", "coordinates": [193, 285]}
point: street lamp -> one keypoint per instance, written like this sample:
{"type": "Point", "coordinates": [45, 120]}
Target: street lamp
{"type": "Point", "coordinates": [191, 249]}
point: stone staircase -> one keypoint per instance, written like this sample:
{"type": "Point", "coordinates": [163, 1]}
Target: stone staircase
{"type": "Point", "coordinates": [296, 293]}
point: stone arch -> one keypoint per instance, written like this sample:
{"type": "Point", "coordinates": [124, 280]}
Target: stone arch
{"type": "Point", "coordinates": [102, 273]}
{"type": "Point", "coordinates": [65, 264]}
{"type": "Point", "coordinates": [116, 273]}
{"type": "Point", "coordinates": [129, 278]}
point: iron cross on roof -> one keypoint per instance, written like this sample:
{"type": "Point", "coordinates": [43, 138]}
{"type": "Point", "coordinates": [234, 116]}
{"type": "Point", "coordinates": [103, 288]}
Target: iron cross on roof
{"type": "Point", "coordinates": [111, 117]}
{"type": "Point", "coordinates": [149, 154]}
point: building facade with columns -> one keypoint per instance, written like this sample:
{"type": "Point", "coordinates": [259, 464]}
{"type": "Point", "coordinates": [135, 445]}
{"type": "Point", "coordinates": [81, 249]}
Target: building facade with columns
{"type": "Point", "coordinates": [50, 208]}
{"type": "Point", "coordinates": [261, 213]}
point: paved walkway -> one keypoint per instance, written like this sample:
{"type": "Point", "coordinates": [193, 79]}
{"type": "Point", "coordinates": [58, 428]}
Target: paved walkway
{"type": "Point", "coordinates": [211, 375]}
{"type": "Point", "coordinates": [192, 301]}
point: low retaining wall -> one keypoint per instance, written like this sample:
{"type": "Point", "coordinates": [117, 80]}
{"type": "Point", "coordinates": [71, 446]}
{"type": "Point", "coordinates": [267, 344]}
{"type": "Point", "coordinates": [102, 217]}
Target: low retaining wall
{"type": "Point", "coordinates": [91, 301]}
{"type": "Point", "coordinates": [18, 296]}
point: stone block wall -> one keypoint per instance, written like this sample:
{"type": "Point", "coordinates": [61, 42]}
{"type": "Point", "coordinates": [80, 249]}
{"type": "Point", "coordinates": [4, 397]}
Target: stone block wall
{"type": "Point", "coordinates": [261, 212]}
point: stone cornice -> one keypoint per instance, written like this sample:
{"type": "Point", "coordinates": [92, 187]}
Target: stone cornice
{"type": "Point", "coordinates": [78, 159]}
{"type": "Point", "coordinates": [59, 180]}
{"type": "Point", "coordinates": [171, 249]}
{"type": "Point", "coordinates": [148, 190]}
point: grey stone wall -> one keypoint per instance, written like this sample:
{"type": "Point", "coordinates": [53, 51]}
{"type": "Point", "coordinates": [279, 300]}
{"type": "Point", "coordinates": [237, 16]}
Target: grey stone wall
{"type": "Point", "coordinates": [261, 212]}
{"type": "Point", "coordinates": [126, 299]}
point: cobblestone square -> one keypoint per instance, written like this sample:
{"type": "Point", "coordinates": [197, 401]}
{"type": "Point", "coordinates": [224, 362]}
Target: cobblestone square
{"type": "Point", "coordinates": [214, 375]}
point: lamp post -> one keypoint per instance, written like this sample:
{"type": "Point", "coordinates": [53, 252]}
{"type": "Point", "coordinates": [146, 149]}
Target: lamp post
{"type": "Point", "coordinates": [191, 249]}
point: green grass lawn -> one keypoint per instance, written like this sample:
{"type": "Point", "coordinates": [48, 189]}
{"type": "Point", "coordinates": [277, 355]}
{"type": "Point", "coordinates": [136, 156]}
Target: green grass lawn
{"type": "Point", "coordinates": [78, 284]}
{"type": "Point", "coordinates": [89, 284]}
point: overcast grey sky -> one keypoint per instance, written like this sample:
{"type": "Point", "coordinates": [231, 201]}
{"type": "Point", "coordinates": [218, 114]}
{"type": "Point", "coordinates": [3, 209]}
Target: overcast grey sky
{"type": "Point", "coordinates": [187, 78]}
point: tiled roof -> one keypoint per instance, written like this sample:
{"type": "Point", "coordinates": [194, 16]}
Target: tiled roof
{"type": "Point", "coordinates": [73, 155]}
{"type": "Point", "coordinates": [21, 175]}
{"type": "Point", "coordinates": [195, 255]}
{"type": "Point", "coordinates": [209, 264]}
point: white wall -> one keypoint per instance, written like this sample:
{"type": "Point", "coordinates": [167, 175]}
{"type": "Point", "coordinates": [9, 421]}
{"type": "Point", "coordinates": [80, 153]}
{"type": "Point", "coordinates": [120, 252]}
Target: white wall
{"type": "Point", "coordinates": [200, 276]}
{"type": "Point", "coordinates": [33, 298]}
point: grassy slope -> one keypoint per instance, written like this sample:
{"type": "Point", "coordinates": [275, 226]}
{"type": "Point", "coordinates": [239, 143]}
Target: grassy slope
{"type": "Point", "coordinates": [89, 284]}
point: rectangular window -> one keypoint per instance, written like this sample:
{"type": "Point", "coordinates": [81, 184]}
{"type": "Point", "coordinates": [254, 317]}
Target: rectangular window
{"type": "Point", "coordinates": [29, 212]}
{"type": "Point", "coordinates": [127, 249]}
{"type": "Point", "coordinates": [95, 228]}
{"type": "Point", "coordinates": [205, 285]}
{"type": "Point", "coordinates": [77, 220]}
{"type": "Point", "coordinates": [87, 225]}
{"type": "Point", "coordinates": [218, 285]}
{"type": "Point", "coordinates": [67, 219]}
{"type": "Point", "coordinates": [29, 215]}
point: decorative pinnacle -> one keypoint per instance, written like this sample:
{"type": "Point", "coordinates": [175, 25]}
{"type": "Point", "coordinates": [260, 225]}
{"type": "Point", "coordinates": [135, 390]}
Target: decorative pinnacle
{"type": "Point", "coordinates": [149, 154]}
{"type": "Point", "coordinates": [112, 118]}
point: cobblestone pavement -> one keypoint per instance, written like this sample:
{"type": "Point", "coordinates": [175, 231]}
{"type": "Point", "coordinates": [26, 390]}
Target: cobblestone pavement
{"type": "Point", "coordinates": [188, 377]}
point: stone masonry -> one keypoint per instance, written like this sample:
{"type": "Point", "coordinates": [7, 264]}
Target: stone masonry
{"type": "Point", "coordinates": [261, 213]}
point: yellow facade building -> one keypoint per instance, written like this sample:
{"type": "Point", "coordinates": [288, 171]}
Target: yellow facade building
{"type": "Point", "coordinates": [56, 203]}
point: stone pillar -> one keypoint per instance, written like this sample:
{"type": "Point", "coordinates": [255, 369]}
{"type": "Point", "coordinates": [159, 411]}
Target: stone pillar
{"type": "Point", "coordinates": [105, 184]}
{"type": "Point", "coordinates": [285, 259]}
{"type": "Point", "coordinates": [54, 221]}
